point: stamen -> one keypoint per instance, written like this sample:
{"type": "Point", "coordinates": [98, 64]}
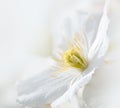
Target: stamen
{"type": "Point", "coordinates": [76, 54]}
{"type": "Point", "coordinates": [73, 57]}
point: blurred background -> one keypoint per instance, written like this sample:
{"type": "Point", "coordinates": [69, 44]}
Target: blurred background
{"type": "Point", "coordinates": [26, 36]}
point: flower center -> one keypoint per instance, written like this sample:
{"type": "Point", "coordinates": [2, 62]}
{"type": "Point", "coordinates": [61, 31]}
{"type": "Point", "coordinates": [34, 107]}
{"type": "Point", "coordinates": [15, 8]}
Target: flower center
{"type": "Point", "coordinates": [73, 57]}
{"type": "Point", "coordinates": [76, 54]}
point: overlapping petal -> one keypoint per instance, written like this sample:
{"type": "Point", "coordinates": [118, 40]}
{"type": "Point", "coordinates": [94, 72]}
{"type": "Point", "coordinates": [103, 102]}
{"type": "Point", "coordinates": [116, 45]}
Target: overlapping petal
{"type": "Point", "coordinates": [80, 83]}
{"type": "Point", "coordinates": [45, 87]}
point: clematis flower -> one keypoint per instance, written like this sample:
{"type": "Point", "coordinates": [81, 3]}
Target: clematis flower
{"type": "Point", "coordinates": [77, 54]}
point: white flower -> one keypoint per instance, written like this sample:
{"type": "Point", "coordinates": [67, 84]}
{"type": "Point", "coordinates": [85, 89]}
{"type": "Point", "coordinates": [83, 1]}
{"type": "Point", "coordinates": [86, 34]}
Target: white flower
{"type": "Point", "coordinates": [81, 52]}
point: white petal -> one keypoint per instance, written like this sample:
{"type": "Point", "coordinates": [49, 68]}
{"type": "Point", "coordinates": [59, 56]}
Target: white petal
{"type": "Point", "coordinates": [101, 42]}
{"type": "Point", "coordinates": [76, 22]}
{"type": "Point", "coordinates": [82, 21]}
{"type": "Point", "coordinates": [72, 24]}
{"type": "Point", "coordinates": [44, 88]}
{"type": "Point", "coordinates": [73, 89]}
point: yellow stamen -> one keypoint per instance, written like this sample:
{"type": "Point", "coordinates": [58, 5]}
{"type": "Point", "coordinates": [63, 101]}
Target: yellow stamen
{"type": "Point", "coordinates": [75, 56]}
{"type": "Point", "coordinates": [72, 57]}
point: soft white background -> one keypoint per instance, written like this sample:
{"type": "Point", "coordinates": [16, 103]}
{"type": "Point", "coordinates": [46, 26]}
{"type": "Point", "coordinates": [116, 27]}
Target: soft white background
{"type": "Point", "coordinates": [25, 36]}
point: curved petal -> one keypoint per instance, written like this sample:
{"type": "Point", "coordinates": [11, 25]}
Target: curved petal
{"type": "Point", "coordinates": [44, 88]}
{"type": "Point", "coordinates": [74, 23]}
{"type": "Point", "coordinates": [77, 22]}
{"type": "Point", "coordinates": [73, 89]}
{"type": "Point", "coordinates": [100, 44]}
